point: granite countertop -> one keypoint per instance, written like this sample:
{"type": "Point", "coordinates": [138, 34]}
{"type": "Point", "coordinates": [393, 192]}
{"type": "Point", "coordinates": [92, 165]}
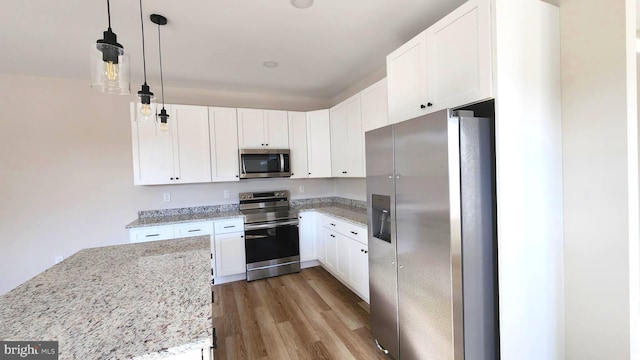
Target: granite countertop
{"type": "Point", "coordinates": [352, 214]}
{"type": "Point", "coordinates": [117, 302]}
{"type": "Point", "coordinates": [352, 211]}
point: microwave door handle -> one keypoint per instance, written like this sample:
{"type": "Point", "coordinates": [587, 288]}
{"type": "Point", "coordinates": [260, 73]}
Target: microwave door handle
{"type": "Point", "coordinates": [244, 166]}
{"type": "Point", "coordinates": [281, 163]}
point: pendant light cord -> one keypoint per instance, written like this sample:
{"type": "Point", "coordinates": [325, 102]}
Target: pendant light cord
{"type": "Point", "coordinates": [109, 14]}
{"type": "Point", "coordinates": [144, 60]}
{"type": "Point", "coordinates": [160, 55]}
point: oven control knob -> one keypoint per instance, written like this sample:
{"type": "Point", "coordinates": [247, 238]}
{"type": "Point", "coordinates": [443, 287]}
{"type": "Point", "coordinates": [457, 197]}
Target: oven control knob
{"type": "Point", "coordinates": [242, 196]}
{"type": "Point", "coordinates": [249, 196]}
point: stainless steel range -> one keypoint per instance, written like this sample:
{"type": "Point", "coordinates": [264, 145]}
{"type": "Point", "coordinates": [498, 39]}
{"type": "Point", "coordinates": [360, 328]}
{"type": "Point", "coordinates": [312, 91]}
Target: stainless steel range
{"type": "Point", "coordinates": [271, 234]}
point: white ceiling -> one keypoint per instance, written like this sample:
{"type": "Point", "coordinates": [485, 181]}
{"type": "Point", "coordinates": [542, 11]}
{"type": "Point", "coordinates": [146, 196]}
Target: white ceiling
{"type": "Point", "coordinates": [219, 44]}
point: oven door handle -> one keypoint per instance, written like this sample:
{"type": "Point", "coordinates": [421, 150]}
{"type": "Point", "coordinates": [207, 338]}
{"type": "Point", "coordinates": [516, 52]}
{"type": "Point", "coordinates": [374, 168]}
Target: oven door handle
{"type": "Point", "coordinates": [270, 225]}
{"type": "Point", "coordinates": [255, 237]}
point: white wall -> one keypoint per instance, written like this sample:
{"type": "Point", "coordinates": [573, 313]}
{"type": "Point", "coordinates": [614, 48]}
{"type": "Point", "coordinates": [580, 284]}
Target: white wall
{"type": "Point", "coordinates": [529, 180]}
{"type": "Point", "coordinates": [351, 188]}
{"type": "Point", "coordinates": [66, 178]}
{"type": "Point", "coordinates": [600, 178]}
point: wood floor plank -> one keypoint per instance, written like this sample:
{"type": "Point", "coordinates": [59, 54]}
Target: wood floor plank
{"type": "Point", "coordinates": [295, 344]}
{"type": "Point", "coordinates": [351, 339]}
{"type": "Point", "coordinates": [319, 351]}
{"type": "Point", "coordinates": [252, 337]}
{"type": "Point", "coordinates": [276, 348]}
{"type": "Point", "coordinates": [308, 315]}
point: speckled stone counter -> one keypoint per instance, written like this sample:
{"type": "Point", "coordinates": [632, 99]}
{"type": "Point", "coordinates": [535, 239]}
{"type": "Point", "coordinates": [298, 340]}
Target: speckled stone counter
{"type": "Point", "coordinates": [353, 211]}
{"type": "Point", "coordinates": [183, 218]}
{"type": "Point", "coordinates": [117, 302]}
{"type": "Point", "coordinates": [353, 214]}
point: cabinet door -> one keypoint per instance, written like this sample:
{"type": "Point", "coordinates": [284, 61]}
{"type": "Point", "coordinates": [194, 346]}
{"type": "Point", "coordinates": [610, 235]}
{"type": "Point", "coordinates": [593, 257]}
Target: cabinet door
{"type": "Point", "coordinates": [359, 268]}
{"type": "Point", "coordinates": [193, 155]}
{"type": "Point", "coordinates": [339, 140]}
{"type": "Point", "coordinates": [354, 145]}
{"type": "Point", "coordinates": [342, 257]}
{"type": "Point", "coordinates": [223, 132]}
{"type": "Point", "coordinates": [152, 152]}
{"type": "Point", "coordinates": [407, 80]}
{"type": "Point", "coordinates": [276, 129]}
{"type": "Point", "coordinates": [251, 129]}
{"type": "Point", "coordinates": [375, 109]}
{"type": "Point", "coordinates": [230, 257]}
{"type": "Point", "coordinates": [298, 145]}
{"type": "Point", "coordinates": [308, 234]}
{"type": "Point", "coordinates": [319, 144]}
{"type": "Point", "coordinates": [321, 244]}
{"type": "Point", "coordinates": [460, 74]}
{"type": "Point", "coordinates": [331, 249]}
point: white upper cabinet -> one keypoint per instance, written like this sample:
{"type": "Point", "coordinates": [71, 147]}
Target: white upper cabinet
{"type": "Point", "coordinates": [152, 152]}
{"type": "Point", "coordinates": [223, 133]}
{"type": "Point", "coordinates": [298, 145]}
{"type": "Point", "coordinates": [459, 57]}
{"type": "Point", "coordinates": [319, 144]}
{"type": "Point", "coordinates": [446, 66]}
{"type": "Point", "coordinates": [259, 129]}
{"type": "Point", "coordinates": [277, 129]}
{"type": "Point", "coordinates": [407, 79]}
{"type": "Point", "coordinates": [347, 139]}
{"type": "Point", "coordinates": [178, 156]}
{"type": "Point", "coordinates": [192, 161]}
{"type": "Point", "coordinates": [375, 110]}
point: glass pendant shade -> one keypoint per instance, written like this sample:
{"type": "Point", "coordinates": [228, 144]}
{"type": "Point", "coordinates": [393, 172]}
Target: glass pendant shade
{"type": "Point", "coordinates": [146, 105]}
{"type": "Point", "coordinates": [163, 120]}
{"type": "Point", "coordinates": [109, 66]}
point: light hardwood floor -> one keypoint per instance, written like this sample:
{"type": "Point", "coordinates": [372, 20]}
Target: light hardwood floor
{"type": "Point", "coordinates": [309, 315]}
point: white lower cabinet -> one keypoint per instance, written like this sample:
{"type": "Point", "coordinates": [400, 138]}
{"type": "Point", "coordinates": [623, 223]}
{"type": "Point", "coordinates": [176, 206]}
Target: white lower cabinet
{"type": "Point", "coordinates": [359, 268]}
{"type": "Point", "coordinates": [307, 232]}
{"type": "Point", "coordinates": [230, 256]}
{"type": "Point", "coordinates": [229, 247]}
{"type": "Point", "coordinates": [343, 251]}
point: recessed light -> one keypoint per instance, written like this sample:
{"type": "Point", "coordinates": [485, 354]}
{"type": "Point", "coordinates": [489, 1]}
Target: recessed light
{"type": "Point", "coordinates": [270, 64]}
{"type": "Point", "coordinates": [302, 4]}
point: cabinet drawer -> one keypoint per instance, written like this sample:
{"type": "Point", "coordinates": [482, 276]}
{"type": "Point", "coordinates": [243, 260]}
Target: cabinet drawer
{"type": "Point", "coordinates": [193, 229]}
{"type": "Point", "coordinates": [357, 233]}
{"type": "Point", "coordinates": [334, 224]}
{"type": "Point", "coordinates": [151, 234]}
{"type": "Point", "coordinates": [227, 226]}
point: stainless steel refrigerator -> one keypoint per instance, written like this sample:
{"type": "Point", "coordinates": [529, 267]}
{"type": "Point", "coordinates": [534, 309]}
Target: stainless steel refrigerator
{"type": "Point", "coordinates": [432, 237]}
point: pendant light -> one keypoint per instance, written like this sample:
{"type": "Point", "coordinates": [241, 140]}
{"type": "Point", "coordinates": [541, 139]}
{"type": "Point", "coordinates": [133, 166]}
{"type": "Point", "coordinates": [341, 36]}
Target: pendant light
{"type": "Point", "coordinates": [163, 117]}
{"type": "Point", "coordinates": [146, 101]}
{"type": "Point", "coordinates": [109, 63]}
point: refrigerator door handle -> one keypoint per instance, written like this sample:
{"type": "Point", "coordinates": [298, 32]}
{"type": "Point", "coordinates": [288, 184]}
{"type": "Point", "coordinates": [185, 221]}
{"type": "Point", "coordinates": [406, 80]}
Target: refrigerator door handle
{"type": "Point", "coordinates": [384, 351]}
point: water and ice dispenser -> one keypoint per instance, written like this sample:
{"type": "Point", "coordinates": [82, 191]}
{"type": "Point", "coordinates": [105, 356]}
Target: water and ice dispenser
{"type": "Point", "coordinates": [381, 217]}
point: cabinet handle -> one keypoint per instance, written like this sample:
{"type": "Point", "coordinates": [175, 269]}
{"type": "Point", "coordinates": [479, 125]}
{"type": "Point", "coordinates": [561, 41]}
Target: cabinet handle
{"type": "Point", "coordinates": [429, 104]}
{"type": "Point", "coordinates": [292, 174]}
{"type": "Point", "coordinates": [361, 250]}
{"type": "Point", "coordinates": [237, 175]}
{"type": "Point", "coordinates": [177, 178]}
{"type": "Point", "coordinates": [266, 144]}
{"type": "Point", "coordinates": [229, 226]}
{"type": "Point", "coordinates": [261, 144]}
{"type": "Point", "coordinates": [195, 230]}
{"type": "Point", "coordinates": [152, 235]}
{"type": "Point", "coordinates": [332, 235]}
{"type": "Point", "coordinates": [309, 173]}
{"type": "Point", "coordinates": [332, 224]}
{"type": "Point", "coordinates": [354, 233]}
{"type": "Point", "coordinates": [171, 178]}
{"type": "Point", "coordinates": [366, 252]}
{"type": "Point", "coordinates": [422, 106]}
{"type": "Point", "coordinates": [241, 236]}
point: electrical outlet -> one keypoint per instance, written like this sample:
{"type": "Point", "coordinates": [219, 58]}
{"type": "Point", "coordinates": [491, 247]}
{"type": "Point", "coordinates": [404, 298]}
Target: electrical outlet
{"type": "Point", "coordinates": [227, 194]}
{"type": "Point", "coordinates": [59, 258]}
{"type": "Point", "coordinates": [166, 197]}
{"type": "Point", "coordinates": [301, 189]}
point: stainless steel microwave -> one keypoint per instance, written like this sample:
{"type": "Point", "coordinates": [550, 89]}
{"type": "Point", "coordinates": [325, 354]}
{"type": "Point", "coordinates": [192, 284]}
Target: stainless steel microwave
{"type": "Point", "coordinates": [264, 163]}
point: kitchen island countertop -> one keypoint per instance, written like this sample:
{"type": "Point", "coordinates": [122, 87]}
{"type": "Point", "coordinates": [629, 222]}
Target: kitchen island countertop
{"type": "Point", "coordinates": [117, 302]}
